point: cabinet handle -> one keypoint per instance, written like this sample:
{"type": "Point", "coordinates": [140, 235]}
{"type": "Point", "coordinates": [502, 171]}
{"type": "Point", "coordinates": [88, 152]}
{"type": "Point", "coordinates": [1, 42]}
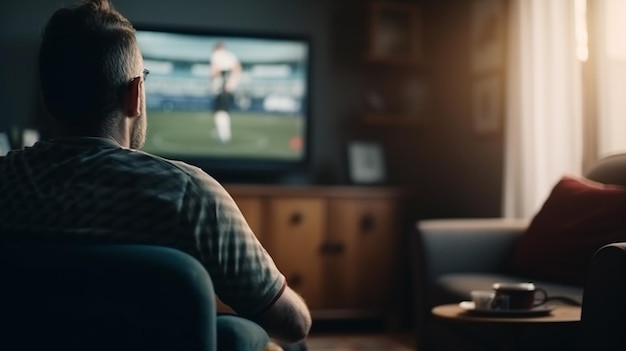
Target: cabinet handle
{"type": "Point", "coordinates": [368, 223]}
{"type": "Point", "coordinates": [331, 248]}
{"type": "Point", "coordinates": [338, 248]}
{"type": "Point", "coordinates": [326, 248]}
{"type": "Point", "coordinates": [295, 218]}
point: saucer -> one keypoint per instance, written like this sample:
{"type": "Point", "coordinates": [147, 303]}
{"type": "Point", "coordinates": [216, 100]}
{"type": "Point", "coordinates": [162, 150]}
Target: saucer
{"type": "Point", "coordinates": [542, 310]}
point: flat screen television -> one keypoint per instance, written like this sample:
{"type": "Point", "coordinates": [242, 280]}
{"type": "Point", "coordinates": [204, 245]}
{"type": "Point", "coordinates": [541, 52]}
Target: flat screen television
{"type": "Point", "coordinates": [233, 103]}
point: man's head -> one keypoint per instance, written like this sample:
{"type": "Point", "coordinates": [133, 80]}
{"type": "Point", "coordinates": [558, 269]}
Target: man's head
{"type": "Point", "coordinates": [91, 68]}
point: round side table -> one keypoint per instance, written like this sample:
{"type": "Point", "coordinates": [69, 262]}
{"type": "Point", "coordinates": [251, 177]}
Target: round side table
{"type": "Point", "coordinates": [514, 325]}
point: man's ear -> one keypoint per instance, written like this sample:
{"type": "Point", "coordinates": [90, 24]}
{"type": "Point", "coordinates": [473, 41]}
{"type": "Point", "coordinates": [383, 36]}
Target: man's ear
{"type": "Point", "coordinates": [133, 100]}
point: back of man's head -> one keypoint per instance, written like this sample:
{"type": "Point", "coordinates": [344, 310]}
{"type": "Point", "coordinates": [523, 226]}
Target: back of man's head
{"type": "Point", "coordinates": [86, 60]}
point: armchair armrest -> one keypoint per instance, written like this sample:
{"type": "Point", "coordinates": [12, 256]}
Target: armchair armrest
{"type": "Point", "coordinates": [466, 245]}
{"type": "Point", "coordinates": [603, 306]}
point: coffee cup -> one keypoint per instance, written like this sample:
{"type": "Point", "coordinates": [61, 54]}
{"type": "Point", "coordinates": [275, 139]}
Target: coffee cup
{"type": "Point", "coordinates": [518, 296]}
{"type": "Point", "coordinates": [482, 299]}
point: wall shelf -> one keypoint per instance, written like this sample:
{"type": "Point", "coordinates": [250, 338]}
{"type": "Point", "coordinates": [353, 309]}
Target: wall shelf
{"type": "Point", "coordinates": [394, 31]}
{"type": "Point", "coordinates": [408, 62]}
{"type": "Point", "coordinates": [394, 66]}
{"type": "Point", "coordinates": [391, 120]}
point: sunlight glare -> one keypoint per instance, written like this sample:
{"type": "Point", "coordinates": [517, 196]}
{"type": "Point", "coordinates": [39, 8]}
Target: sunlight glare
{"type": "Point", "coordinates": [582, 48]}
{"type": "Point", "coordinates": [615, 29]}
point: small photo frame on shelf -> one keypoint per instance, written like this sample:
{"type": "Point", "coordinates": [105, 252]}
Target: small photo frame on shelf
{"type": "Point", "coordinates": [487, 104]}
{"type": "Point", "coordinates": [366, 162]}
{"type": "Point", "coordinates": [29, 137]}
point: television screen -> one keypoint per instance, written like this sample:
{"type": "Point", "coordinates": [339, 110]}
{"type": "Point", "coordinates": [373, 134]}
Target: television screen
{"type": "Point", "coordinates": [226, 101]}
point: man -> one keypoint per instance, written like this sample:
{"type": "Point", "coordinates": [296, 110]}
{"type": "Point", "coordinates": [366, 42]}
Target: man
{"type": "Point", "coordinates": [92, 185]}
{"type": "Point", "coordinates": [225, 73]}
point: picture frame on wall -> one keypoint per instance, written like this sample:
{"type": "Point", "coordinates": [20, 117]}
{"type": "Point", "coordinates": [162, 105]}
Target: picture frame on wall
{"type": "Point", "coordinates": [487, 104]}
{"type": "Point", "coordinates": [487, 35]}
{"type": "Point", "coordinates": [366, 163]}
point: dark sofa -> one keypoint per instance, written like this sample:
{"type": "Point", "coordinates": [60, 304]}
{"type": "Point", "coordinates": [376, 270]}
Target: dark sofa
{"type": "Point", "coordinates": [456, 256]}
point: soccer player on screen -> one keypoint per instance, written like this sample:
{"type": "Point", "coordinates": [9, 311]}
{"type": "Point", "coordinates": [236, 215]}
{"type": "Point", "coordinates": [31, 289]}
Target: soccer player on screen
{"type": "Point", "coordinates": [225, 74]}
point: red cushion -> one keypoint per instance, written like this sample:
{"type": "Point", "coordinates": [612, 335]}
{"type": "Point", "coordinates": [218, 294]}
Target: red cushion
{"type": "Point", "coordinates": [577, 219]}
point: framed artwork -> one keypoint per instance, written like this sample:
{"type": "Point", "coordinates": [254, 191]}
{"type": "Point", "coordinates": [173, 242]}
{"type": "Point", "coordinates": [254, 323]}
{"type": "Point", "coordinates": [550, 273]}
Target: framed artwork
{"type": "Point", "coordinates": [366, 163]}
{"type": "Point", "coordinates": [487, 35]}
{"type": "Point", "coordinates": [487, 104]}
{"type": "Point", "coordinates": [394, 31]}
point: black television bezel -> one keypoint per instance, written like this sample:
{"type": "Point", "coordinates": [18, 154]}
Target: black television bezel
{"type": "Point", "coordinates": [249, 170]}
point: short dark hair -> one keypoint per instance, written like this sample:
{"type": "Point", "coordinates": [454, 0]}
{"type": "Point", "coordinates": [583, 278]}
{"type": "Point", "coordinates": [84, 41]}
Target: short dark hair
{"type": "Point", "coordinates": [86, 59]}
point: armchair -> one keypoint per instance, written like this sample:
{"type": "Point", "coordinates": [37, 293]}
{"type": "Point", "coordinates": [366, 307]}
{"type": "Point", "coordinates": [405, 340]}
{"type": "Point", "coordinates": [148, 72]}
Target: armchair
{"type": "Point", "coordinates": [454, 256]}
{"type": "Point", "coordinates": [104, 297]}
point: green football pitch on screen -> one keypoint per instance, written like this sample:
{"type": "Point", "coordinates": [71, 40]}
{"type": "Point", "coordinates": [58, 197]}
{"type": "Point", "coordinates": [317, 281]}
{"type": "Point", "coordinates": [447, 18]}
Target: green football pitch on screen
{"type": "Point", "coordinates": [194, 134]}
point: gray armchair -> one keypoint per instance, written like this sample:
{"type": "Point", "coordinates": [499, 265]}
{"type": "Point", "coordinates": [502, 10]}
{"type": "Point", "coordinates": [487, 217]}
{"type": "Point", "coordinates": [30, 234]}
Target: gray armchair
{"type": "Point", "coordinates": [454, 256]}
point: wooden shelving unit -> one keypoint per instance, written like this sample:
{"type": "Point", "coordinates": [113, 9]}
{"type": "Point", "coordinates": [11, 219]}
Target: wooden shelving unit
{"type": "Point", "coordinates": [392, 120]}
{"type": "Point", "coordinates": [394, 64]}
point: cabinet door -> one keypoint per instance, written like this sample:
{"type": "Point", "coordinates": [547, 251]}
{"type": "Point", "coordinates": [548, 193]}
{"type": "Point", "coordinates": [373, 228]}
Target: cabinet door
{"type": "Point", "coordinates": [363, 232]}
{"type": "Point", "coordinates": [252, 209]}
{"type": "Point", "coordinates": [297, 228]}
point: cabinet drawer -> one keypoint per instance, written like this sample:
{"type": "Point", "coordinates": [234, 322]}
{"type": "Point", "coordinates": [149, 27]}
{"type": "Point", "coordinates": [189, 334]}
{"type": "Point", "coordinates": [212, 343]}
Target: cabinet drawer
{"type": "Point", "coordinates": [298, 227]}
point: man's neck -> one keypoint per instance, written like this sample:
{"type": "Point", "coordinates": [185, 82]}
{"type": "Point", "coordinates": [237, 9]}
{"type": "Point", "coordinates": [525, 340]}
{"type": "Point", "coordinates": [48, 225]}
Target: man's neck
{"type": "Point", "coordinates": [72, 132]}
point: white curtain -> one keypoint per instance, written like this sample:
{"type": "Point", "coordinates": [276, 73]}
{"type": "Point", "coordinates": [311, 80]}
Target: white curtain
{"type": "Point", "coordinates": [544, 104]}
{"type": "Point", "coordinates": [610, 72]}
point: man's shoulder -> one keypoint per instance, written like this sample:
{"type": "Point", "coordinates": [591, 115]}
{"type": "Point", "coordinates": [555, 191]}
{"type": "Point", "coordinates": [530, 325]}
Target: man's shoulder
{"type": "Point", "coordinates": [196, 175]}
{"type": "Point", "coordinates": [172, 165]}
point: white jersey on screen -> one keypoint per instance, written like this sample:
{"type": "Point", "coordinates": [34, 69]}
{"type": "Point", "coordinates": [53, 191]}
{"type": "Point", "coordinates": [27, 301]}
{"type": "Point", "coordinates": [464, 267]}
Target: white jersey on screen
{"type": "Point", "coordinates": [226, 63]}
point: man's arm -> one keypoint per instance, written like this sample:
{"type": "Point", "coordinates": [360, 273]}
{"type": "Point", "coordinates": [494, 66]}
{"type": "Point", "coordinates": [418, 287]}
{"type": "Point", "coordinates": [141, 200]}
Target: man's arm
{"type": "Point", "coordinates": [288, 319]}
{"type": "Point", "coordinates": [243, 273]}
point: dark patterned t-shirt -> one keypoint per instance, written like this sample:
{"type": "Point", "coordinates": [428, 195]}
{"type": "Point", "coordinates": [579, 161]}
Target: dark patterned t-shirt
{"type": "Point", "coordinates": [92, 190]}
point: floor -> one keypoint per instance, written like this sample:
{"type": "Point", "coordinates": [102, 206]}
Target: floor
{"type": "Point", "coordinates": [360, 342]}
{"type": "Point", "coordinates": [361, 333]}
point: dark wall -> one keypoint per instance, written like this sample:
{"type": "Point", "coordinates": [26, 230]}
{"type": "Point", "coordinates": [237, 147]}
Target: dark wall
{"type": "Point", "coordinates": [450, 171]}
{"type": "Point", "coordinates": [463, 170]}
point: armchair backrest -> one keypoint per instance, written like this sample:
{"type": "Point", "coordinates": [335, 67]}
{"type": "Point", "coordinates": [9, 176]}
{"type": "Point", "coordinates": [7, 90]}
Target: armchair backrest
{"type": "Point", "coordinates": [609, 170]}
{"type": "Point", "coordinates": [603, 318]}
{"type": "Point", "coordinates": [104, 297]}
